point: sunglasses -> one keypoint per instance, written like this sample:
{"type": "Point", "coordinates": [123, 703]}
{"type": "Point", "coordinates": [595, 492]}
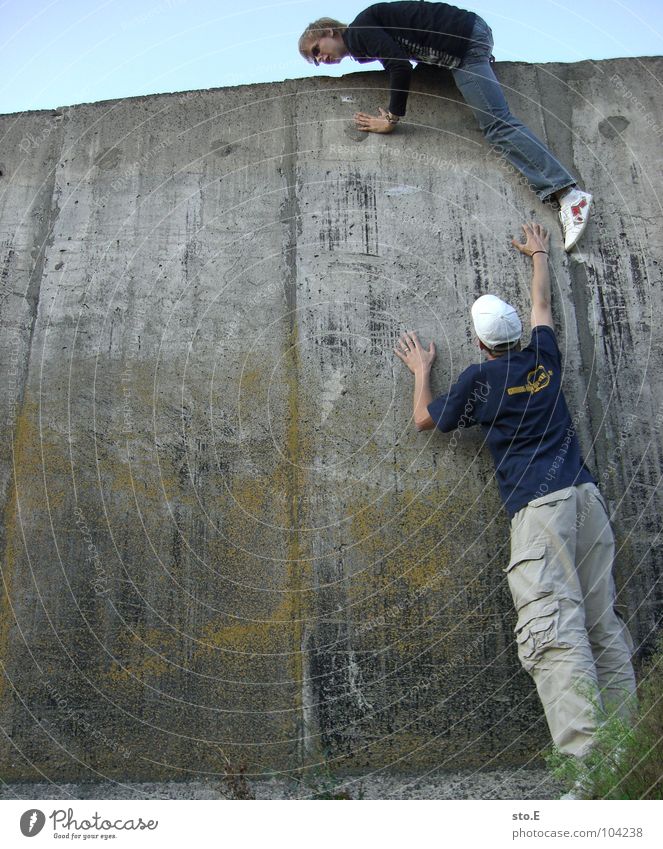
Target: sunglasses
{"type": "Point", "coordinates": [315, 52]}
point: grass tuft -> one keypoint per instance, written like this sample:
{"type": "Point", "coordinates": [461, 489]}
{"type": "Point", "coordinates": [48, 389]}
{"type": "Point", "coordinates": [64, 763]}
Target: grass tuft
{"type": "Point", "coordinates": [626, 761]}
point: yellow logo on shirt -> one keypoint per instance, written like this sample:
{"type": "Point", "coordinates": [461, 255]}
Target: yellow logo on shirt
{"type": "Point", "coordinates": [537, 380]}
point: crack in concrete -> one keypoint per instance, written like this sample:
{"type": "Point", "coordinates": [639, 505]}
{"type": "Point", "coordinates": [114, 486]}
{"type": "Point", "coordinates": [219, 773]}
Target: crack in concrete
{"type": "Point", "coordinates": [579, 282]}
{"type": "Point", "coordinates": [290, 219]}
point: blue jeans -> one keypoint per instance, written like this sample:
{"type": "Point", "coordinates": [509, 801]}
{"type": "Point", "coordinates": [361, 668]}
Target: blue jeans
{"type": "Point", "coordinates": [507, 136]}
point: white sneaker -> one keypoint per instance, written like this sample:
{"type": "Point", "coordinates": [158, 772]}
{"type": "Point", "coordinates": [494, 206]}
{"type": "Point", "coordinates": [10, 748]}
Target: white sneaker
{"type": "Point", "coordinates": [574, 215]}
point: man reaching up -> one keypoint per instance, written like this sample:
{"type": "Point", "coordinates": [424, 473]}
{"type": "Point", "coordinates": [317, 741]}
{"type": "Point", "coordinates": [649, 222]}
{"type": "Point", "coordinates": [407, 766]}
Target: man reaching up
{"type": "Point", "coordinates": [562, 546]}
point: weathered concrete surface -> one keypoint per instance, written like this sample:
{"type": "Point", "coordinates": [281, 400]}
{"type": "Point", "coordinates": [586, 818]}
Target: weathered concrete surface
{"type": "Point", "coordinates": [509, 783]}
{"type": "Point", "coordinates": [220, 528]}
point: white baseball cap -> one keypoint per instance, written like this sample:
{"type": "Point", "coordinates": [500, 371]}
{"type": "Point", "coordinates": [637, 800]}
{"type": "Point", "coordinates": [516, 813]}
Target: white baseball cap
{"type": "Point", "coordinates": [495, 322]}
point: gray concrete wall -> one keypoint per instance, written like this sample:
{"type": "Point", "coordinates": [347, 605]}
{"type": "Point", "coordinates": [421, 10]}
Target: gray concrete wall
{"type": "Point", "coordinates": [222, 536]}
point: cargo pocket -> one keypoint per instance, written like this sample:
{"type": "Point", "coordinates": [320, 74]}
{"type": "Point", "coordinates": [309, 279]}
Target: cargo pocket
{"type": "Point", "coordinates": [525, 575]}
{"type": "Point", "coordinates": [537, 631]}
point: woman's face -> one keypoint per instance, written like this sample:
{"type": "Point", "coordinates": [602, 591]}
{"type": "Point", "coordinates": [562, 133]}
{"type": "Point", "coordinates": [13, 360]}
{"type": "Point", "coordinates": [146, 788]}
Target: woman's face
{"type": "Point", "coordinates": [329, 49]}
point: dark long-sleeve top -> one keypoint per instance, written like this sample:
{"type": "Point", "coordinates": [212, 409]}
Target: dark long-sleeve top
{"type": "Point", "coordinates": [395, 33]}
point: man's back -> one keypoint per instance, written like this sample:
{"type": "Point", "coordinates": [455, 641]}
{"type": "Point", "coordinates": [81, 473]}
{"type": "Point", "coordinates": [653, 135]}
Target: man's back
{"type": "Point", "coordinates": [518, 400]}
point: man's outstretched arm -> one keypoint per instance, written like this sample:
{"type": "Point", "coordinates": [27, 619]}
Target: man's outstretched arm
{"type": "Point", "coordinates": [536, 246]}
{"type": "Point", "coordinates": [419, 361]}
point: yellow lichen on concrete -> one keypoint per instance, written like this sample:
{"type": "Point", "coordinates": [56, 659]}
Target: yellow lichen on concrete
{"type": "Point", "coordinates": [258, 497]}
{"type": "Point", "coordinates": [130, 480]}
{"type": "Point", "coordinates": [406, 536]}
{"type": "Point", "coordinates": [252, 381]}
{"type": "Point", "coordinates": [7, 617]}
{"type": "Point", "coordinates": [26, 463]}
{"type": "Point", "coordinates": [249, 637]}
{"type": "Point", "coordinates": [144, 654]}
{"type": "Point", "coordinates": [41, 461]}
{"type": "Point", "coordinates": [410, 549]}
{"type": "Point", "coordinates": [298, 575]}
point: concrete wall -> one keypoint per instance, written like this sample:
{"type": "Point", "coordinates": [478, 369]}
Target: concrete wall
{"type": "Point", "coordinates": [221, 530]}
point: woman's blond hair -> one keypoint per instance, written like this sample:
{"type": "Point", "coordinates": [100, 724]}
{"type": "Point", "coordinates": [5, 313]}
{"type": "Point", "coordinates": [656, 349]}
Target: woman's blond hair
{"type": "Point", "coordinates": [316, 30]}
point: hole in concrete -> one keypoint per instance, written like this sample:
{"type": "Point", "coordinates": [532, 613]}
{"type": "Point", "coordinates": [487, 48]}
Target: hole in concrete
{"type": "Point", "coordinates": [611, 127]}
{"type": "Point", "coordinates": [220, 147]}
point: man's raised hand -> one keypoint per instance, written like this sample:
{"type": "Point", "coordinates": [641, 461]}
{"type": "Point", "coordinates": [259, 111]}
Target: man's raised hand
{"type": "Point", "coordinates": [416, 358]}
{"type": "Point", "coordinates": [537, 238]}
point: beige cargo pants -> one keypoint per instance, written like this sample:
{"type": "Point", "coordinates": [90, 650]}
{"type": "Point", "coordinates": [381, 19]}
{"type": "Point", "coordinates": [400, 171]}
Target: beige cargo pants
{"type": "Point", "coordinates": [568, 630]}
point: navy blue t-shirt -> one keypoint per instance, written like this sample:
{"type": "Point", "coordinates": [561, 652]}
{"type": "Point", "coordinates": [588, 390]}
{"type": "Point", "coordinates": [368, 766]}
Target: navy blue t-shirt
{"type": "Point", "coordinates": [518, 400]}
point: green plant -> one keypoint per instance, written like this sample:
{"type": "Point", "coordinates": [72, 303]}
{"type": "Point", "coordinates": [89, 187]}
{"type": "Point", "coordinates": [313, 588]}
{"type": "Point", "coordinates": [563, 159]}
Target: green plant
{"type": "Point", "coordinates": [626, 759]}
{"type": "Point", "coordinates": [234, 783]}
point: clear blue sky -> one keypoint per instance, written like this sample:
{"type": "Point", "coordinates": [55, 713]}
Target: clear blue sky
{"type": "Point", "coordinates": [61, 52]}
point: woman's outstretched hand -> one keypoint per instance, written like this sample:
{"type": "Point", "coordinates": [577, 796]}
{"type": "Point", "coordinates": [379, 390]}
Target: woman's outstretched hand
{"type": "Point", "coordinates": [372, 124]}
